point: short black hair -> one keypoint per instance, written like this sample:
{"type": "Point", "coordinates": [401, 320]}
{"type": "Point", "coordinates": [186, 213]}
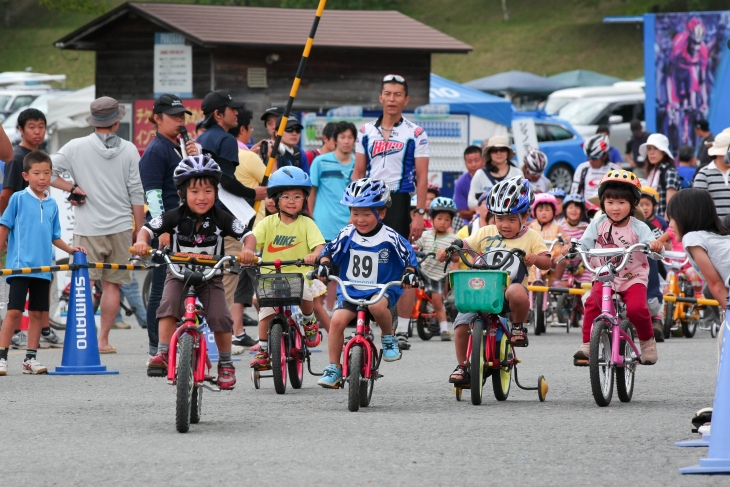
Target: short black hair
{"type": "Point", "coordinates": [341, 127]}
{"type": "Point", "coordinates": [35, 157]}
{"type": "Point", "coordinates": [603, 129]}
{"type": "Point", "coordinates": [183, 188]}
{"type": "Point", "coordinates": [30, 114]}
{"type": "Point", "coordinates": [686, 152]}
{"type": "Point", "coordinates": [619, 191]}
{"type": "Point", "coordinates": [472, 149]}
{"type": "Point", "coordinates": [636, 125]}
{"type": "Point", "coordinates": [703, 125]}
{"type": "Point", "coordinates": [330, 130]}
{"type": "Point", "coordinates": [244, 120]}
{"type": "Point", "coordinates": [693, 210]}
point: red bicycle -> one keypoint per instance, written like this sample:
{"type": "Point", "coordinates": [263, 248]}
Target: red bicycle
{"type": "Point", "coordinates": [287, 346]}
{"type": "Point", "coordinates": [188, 366]}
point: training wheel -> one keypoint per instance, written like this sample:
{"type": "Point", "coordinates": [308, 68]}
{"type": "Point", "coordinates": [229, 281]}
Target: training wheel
{"type": "Point", "coordinates": [256, 378]}
{"type": "Point", "coordinates": [457, 392]}
{"type": "Point", "coordinates": [542, 388]}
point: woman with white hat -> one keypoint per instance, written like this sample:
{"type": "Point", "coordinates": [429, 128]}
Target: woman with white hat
{"type": "Point", "coordinates": [714, 176]}
{"type": "Point", "coordinates": [499, 167]}
{"type": "Point", "coordinates": [660, 171]}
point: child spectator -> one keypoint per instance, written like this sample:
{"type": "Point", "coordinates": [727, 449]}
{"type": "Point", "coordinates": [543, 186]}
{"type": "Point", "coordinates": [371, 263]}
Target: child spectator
{"type": "Point", "coordinates": [687, 163]}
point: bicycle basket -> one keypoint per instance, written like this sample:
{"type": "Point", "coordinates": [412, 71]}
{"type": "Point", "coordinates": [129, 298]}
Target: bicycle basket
{"type": "Point", "coordinates": [479, 290]}
{"type": "Point", "coordinates": [279, 290]}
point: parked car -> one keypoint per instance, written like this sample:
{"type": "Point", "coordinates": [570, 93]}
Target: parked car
{"type": "Point", "coordinates": [11, 100]}
{"type": "Point", "coordinates": [561, 143]}
{"type": "Point", "coordinates": [558, 99]}
{"type": "Point", "coordinates": [10, 124]}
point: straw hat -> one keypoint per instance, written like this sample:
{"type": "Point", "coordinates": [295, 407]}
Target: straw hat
{"type": "Point", "coordinates": [497, 141]}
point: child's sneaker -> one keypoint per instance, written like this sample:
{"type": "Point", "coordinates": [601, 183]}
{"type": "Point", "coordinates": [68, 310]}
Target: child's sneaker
{"type": "Point", "coordinates": [311, 333]}
{"type": "Point", "coordinates": [403, 343]}
{"type": "Point", "coordinates": [3, 366]}
{"type": "Point", "coordinates": [261, 361]}
{"type": "Point", "coordinates": [391, 353]}
{"type": "Point", "coordinates": [226, 376]}
{"type": "Point", "coordinates": [19, 341]}
{"type": "Point", "coordinates": [33, 366]}
{"type": "Point", "coordinates": [519, 336]}
{"type": "Point", "coordinates": [658, 327]}
{"type": "Point", "coordinates": [157, 365]}
{"type": "Point", "coordinates": [446, 336]}
{"type": "Point", "coordinates": [648, 351]}
{"type": "Point", "coordinates": [331, 377]}
{"type": "Point", "coordinates": [51, 341]}
{"type": "Point", "coordinates": [236, 350]}
{"type": "Point", "coordinates": [583, 352]}
{"type": "Point", "coordinates": [460, 375]}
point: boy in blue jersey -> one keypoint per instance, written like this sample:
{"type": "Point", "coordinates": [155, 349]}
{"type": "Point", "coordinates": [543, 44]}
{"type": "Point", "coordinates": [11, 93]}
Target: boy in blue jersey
{"type": "Point", "coordinates": [30, 224]}
{"type": "Point", "coordinates": [370, 252]}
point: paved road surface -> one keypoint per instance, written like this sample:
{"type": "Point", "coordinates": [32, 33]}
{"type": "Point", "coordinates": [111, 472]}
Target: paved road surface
{"type": "Point", "coordinates": [120, 429]}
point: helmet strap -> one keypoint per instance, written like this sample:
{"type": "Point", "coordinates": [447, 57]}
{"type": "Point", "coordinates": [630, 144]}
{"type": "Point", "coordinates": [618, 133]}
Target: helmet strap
{"type": "Point", "coordinates": [377, 214]}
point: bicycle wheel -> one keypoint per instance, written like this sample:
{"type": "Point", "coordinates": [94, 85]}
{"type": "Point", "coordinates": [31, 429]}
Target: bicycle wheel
{"type": "Point", "coordinates": [278, 354]}
{"type": "Point", "coordinates": [598, 363]}
{"type": "Point", "coordinates": [689, 328]}
{"type": "Point", "coordinates": [477, 361]}
{"type": "Point", "coordinates": [668, 319]}
{"type": "Point", "coordinates": [502, 378]}
{"type": "Point", "coordinates": [423, 324]}
{"type": "Point", "coordinates": [714, 328]}
{"type": "Point", "coordinates": [147, 288]}
{"type": "Point", "coordinates": [575, 314]}
{"type": "Point", "coordinates": [538, 313]}
{"type": "Point", "coordinates": [185, 383]}
{"type": "Point", "coordinates": [625, 374]}
{"type": "Point", "coordinates": [197, 405]}
{"type": "Point", "coordinates": [354, 369]}
{"type": "Point", "coordinates": [296, 363]}
{"type": "Point", "coordinates": [366, 385]}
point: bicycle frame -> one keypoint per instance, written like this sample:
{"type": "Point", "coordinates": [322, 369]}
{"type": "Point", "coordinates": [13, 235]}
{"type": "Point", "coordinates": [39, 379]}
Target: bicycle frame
{"type": "Point", "coordinates": [608, 313]}
{"type": "Point", "coordinates": [421, 295]}
{"type": "Point", "coordinates": [190, 327]}
{"type": "Point", "coordinates": [493, 324]}
{"type": "Point", "coordinates": [362, 331]}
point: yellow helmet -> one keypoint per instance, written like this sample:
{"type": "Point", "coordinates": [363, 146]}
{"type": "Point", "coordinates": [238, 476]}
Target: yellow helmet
{"type": "Point", "coordinates": [649, 192]}
{"type": "Point", "coordinates": [623, 177]}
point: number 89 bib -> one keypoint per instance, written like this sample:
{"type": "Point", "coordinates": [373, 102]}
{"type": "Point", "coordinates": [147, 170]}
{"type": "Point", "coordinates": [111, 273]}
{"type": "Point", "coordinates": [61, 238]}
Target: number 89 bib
{"type": "Point", "coordinates": [363, 267]}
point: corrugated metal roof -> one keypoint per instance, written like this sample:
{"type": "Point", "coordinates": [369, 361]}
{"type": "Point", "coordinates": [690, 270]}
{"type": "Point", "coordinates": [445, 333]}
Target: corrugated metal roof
{"type": "Point", "coordinates": [259, 26]}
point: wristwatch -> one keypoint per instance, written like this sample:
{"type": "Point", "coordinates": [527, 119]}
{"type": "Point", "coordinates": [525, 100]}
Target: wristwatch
{"type": "Point", "coordinates": [420, 211]}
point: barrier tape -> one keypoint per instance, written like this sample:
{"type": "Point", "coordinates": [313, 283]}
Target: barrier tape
{"type": "Point", "coordinates": [73, 267]}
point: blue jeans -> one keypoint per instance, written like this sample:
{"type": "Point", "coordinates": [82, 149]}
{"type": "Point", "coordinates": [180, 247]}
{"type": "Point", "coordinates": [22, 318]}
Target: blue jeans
{"type": "Point", "coordinates": [134, 299]}
{"type": "Point", "coordinates": [156, 287]}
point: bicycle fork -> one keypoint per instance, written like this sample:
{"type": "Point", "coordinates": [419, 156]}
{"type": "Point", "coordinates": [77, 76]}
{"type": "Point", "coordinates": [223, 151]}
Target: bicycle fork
{"type": "Point", "coordinates": [608, 312]}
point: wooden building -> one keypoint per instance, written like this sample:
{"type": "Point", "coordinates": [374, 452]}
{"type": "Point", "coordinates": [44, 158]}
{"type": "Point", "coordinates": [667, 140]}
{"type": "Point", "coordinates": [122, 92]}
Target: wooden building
{"type": "Point", "coordinates": [254, 52]}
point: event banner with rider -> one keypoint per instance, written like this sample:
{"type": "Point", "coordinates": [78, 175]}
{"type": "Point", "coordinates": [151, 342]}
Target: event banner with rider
{"type": "Point", "coordinates": [687, 71]}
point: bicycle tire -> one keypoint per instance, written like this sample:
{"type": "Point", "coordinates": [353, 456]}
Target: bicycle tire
{"type": "Point", "coordinates": [600, 370]}
{"type": "Point", "coordinates": [367, 385]}
{"type": "Point", "coordinates": [539, 313]}
{"type": "Point", "coordinates": [196, 407]}
{"type": "Point", "coordinates": [689, 328]}
{"type": "Point", "coordinates": [185, 383]}
{"type": "Point", "coordinates": [625, 374]}
{"type": "Point", "coordinates": [476, 362]}
{"type": "Point", "coordinates": [425, 332]}
{"type": "Point", "coordinates": [668, 319]}
{"type": "Point", "coordinates": [714, 328]}
{"type": "Point", "coordinates": [502, 378]}
{"type": "Point", "coordinates": [296, 364]}
{"type": "Point", "coordinates": [147, 288]}
{"type": "Point", "coordinates": [277, 352]}
{"type": "Point", "coordinates": [354, 370]}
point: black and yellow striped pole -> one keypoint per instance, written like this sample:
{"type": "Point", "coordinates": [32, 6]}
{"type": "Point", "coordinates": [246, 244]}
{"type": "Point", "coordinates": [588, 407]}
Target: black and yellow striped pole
{"type": "Point", "coordinates": [292, 96]}
{"type": "Point", "coordinates": [72, 267]}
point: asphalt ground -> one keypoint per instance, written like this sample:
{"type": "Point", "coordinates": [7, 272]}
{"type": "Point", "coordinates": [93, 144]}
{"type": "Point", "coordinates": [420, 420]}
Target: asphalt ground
{"type": "Point", "coordinates": [119, 429]}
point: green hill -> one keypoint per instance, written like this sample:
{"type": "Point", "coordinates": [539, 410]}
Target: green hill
{"type": "Point", "coordinates": [544, 37]}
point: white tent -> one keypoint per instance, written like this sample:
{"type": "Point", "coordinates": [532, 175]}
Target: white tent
{"type": "Point", "coordinates": [67, 117]}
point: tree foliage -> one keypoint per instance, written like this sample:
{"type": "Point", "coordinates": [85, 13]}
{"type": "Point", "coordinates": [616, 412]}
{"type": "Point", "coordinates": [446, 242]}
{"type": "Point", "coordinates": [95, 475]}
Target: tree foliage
{"type": "Point", "coordinates": [81, 6]}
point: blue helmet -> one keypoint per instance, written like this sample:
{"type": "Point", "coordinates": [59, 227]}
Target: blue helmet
{"type": "Point", "coordinates": [576, 199]}
{"type": "Point", "coordinates": [558, 192]}
{"type": "Point", "coordinates": [366, 193]}
{"type": "Point", "coordinates": [442, 204]}
{"type": "Point", "coordinates": [286, 178]}
{"type": "Point", "coordinates": [511, 197]}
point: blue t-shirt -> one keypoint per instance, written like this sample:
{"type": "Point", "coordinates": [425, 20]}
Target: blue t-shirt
{"type": "Point", "coordinates": [687, 172]}
{"type": "Point", "coordinates": [614, 155]}
{"type": "Point", "coordinates": [34, 225]}
{"type": "Point", "coordinates": [157, 167]}
{"type": "Point", "coordinates": [331, 177]}
{"type": "Point", "coordinates": [376, 258]}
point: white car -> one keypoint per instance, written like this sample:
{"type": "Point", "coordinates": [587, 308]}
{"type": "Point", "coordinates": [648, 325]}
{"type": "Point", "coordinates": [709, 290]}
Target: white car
{"type": "Point", "coordinates": [11, 100]}
{"type": "Point", "coordinates": [10, 124]}
{"type": "Point", "coordinates": [558, 99]}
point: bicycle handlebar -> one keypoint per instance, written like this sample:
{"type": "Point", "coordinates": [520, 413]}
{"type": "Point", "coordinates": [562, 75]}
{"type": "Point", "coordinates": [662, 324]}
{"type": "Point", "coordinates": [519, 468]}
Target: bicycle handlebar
{"type": "Point", "coordinates": [421, 256]}
{"type": "Point", "coordinates": [510, 254]}
{"type": "Point", "coordinates": [680, 259]}
{"type": "Point", "coordinates": [215, 262]}
{"type": "Point", "coordinates": [586, 255]}
{"type": "Point", "coordinates": [362, 302]}
{"type": "Point", "coordinates": [550, 244]}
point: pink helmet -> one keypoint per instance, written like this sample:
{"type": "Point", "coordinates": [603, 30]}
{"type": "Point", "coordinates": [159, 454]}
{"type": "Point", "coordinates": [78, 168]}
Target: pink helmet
{"type": "Point", "coordinates": [541, 198]}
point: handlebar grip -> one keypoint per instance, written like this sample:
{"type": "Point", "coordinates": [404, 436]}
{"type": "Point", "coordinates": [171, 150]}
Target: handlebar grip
{"type": "Point", "coordinates": [668, 254]}
{"type": "Point", "coordinates": [310, 275]}
{"type": "Point", "coordinates": [149, 251]}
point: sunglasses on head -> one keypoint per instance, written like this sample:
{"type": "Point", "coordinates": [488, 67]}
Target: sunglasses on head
{"type": "Point", "coordinates": [394, 77]}
{"type": "Point", "coordinates": [294, 129]}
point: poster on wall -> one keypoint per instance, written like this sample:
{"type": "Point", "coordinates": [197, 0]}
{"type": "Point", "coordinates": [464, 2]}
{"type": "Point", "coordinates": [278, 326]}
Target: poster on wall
{"type": "Point", "coordinates": [173, 65]}
{"type": "Point", "coordinates": [687, 78]}
{"type": "Point", "coordinates": [144, 130]}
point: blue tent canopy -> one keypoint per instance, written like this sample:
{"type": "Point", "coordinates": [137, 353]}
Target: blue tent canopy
{"type": "Point", "coordinates": [469, 100]}
{"type": "Point", "coordinates": [583, 77]}
{"type": "Point", "coordinates": [517, 82]}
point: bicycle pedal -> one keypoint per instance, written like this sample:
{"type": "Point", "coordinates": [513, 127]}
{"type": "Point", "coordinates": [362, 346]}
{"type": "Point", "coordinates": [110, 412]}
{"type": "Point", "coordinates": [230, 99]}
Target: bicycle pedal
{"type": "Point", "coordinates": [212, 388]}
{"type": "Point", "coordinates": [579, 362]}
{"type": "Point", "coordinates": [156, 373]}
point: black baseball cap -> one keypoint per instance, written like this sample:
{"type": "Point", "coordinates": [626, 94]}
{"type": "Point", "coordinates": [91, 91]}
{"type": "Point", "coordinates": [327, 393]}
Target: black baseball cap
{"type": "Point", "coordinates": [291, 122]}
{"type": "Point", "coordinates": [278, 111]}
{"type": "Point", "coordinates": [169, 104]}
{"type": "Point", "coordinates": [703, 125]}
{"type": "Point", "coordinates": [219, 99]}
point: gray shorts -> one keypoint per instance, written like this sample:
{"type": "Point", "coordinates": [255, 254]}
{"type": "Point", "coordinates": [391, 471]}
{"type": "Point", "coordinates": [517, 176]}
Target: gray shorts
{"type": "Point", "coordinates": [433, 285]}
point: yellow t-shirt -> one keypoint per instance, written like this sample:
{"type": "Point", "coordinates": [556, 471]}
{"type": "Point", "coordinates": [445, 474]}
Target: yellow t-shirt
{"type": "Point", "coordinates": [488, 238]}
{"type": "Point", "coordinates": [250, 172]}
{"type": "Point", "coordinates": [462, 234]}
{"type": "Point", "coordinates": [287, 242]}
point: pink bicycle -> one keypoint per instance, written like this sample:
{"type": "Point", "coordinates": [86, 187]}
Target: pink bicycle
{"type": "Point", "coordinates": [612, 337]}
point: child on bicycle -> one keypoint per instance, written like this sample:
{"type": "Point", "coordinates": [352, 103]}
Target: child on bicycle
{"type": "Point", "coordinates": [574, 225]}
{"type": "Point", "coordinates": [535, 162]}
{"type": "Point", "coordinates": [30, 236]}
{"type": "Point", "coordinates": [481, 219]}
{"type": "Point", "coordinates": [367, 251]}
{"type": "Point", "coordinates": [197, 226]}
{"type": "Point", "coordinates": [543, 210]}
{"type": "Point", "coordinates": [510, 202]}
{"type": "Point", "coordinates": [289, 234]}
{"type": "Point", "coordinates": [442, 212]}
{"type": "Point", "coordinates": [619, 192]}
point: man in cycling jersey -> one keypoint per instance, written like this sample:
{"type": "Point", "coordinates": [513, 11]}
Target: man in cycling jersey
{"type": "Point", "coordinates": [395, 150]}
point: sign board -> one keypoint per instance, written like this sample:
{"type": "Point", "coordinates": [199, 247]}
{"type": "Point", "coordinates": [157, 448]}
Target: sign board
{"type": "Point", "coordinates": [173, 66]}
{"type": "Point", "coordinates": [523, 132]}
{"type": "Point", "coordinates": [144, 130]}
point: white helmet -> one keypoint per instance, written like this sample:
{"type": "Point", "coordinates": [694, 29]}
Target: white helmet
{"type": "Point", "coordinates": [511, 197]}
{"type": "Point", "coordinates": [535, 161]}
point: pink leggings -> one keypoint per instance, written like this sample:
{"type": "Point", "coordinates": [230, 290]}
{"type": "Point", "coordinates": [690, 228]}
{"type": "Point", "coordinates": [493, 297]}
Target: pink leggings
{"type": "Point", "coordinates": [636, 310]}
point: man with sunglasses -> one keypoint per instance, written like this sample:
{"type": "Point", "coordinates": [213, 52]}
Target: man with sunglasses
{"type": "Point", "coordinates": [395, 150]}
{"type": "Point", "coordinates": [289, 152]}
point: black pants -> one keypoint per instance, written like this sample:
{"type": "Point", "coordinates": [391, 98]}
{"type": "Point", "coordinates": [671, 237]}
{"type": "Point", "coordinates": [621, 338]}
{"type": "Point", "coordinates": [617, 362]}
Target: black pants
{"type": "Point", "coordinates": [156, 287]}
{"type": "Point", "coordinates": [398, 216]}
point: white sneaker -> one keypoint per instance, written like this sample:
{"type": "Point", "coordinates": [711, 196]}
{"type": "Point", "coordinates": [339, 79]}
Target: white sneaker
{"type": "Point", "coordinates": [19, 341]}
{"type": "Point", "coordinates": [237, 350]}
{"type": "Point", "coordinates": [703, 430]}
{"type": "Point", "coordinates": [33, 366]}
{"type": "Point", "coordinates": [51, 341]}
{"type": "Point", "coordinates": [3, 366]}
